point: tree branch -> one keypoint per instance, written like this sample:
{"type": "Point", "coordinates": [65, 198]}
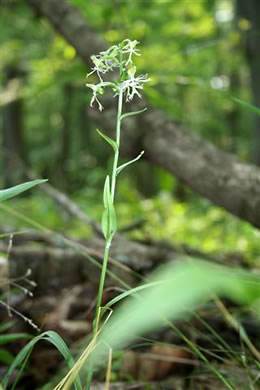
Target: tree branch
{"type": "Point", "coordinates": [215, 174]}
{"type": "Point", "coordinates": [211, 172]}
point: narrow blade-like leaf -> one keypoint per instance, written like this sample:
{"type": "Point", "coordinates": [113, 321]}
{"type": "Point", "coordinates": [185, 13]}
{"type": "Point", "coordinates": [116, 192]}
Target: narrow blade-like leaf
{"type": "Point", "coordinates": [13, 191]}
{"type": "Point", "coordinates": [108, 224]}
{"type": "Point", "coordinates": [106, 192]}
{"type": "Point", "coordinates": [132, 113]}
{"type": "Point", "coordinates": [105, 224]}
{"type": "Point", "coordinates": [109, 140]}
{"type": "Point", "coordinates": [53, 338]}
{"type": "Point", "coordinates": [8, 338]}
{"type": "Point", "coordinates": [121, 167]}
{"type": "Point", "coordinates": [175, 290]}
{"type": "Point", "coordinates": [247, 105]}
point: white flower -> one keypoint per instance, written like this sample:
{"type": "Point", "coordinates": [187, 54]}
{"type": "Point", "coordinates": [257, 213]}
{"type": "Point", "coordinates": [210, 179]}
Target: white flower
{"type": "Point", "coordinates": [133, 85]}
{"type": "Point", "coordinates": [105, 61]}
{"type": "Point", "coordinates": [97, 89]}
{"type": "Point", "coordinates": [130, 48]}
{"type": "Point", "coordinates": [117, 56]}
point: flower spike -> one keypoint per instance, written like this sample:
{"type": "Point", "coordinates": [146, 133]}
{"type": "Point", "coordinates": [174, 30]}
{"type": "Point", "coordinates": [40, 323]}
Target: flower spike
{"type": "Point", "coordinates": [117, 57]}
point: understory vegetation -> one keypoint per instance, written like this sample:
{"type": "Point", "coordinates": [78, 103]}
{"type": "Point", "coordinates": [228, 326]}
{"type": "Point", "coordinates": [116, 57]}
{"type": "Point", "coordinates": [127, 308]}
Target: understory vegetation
{"type": "Point", "coordinates": [130, 214]}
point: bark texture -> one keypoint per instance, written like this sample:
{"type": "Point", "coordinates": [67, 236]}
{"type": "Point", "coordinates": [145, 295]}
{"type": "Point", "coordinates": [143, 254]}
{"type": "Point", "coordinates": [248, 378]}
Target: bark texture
{"type": "Point", "coordinates": [211, 172]}
{"type": "Point", "coordinates": [250, 10]}
{"type": "Point", "coordinates": [216, 175]}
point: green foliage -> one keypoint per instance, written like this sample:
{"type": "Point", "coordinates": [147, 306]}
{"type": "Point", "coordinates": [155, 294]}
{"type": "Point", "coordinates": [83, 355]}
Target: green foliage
{"type": "Point", "coordinates": [14, 191]}
{"type": "Point", "coordinates": [174, 290]}
{"type": "Point", "coordinates": [131, 113]}
{"type": "Point", "coordinates": [5, 356]}
{"type": "Point", "coordinates": [108, 140]}
{"type": "Point", "coordinates": [194, 223]}
{"type": "Point", "coordinates": [8, 338]}
{"type": "Point", "coordinates": [123, 166]}
{"type": "Point", "coordinates": [23, 356]}
{"type": "Point", "coordinates": [247, 106]}
{"type": "Point", "coordinates": [180, 47]}
{"type": "Point", "coordinates": [118, 57]}
{"type": "Point", "coordinates": [187, 51]}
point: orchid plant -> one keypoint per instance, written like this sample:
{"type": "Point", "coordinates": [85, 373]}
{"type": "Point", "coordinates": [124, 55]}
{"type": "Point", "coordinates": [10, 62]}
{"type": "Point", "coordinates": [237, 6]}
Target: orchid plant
{"type": "Point", "coordinates": [116, 58]}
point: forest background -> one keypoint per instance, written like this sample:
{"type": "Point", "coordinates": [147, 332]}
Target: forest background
{"type": "Point", "coordinates": [199, 59]}
{"type": "Point", "coordinates": [197, 187]}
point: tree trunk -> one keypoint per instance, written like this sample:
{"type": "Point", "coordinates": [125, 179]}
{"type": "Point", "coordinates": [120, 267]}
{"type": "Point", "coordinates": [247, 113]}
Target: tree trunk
{"type": "Point", "coordinates": [250, 10]}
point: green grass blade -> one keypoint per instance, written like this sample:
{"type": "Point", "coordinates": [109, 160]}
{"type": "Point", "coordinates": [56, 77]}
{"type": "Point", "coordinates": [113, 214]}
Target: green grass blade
{"type": "Point", "coordinates": [176, 290]}
{"type": "Point", "coordinates": [8, 338]}
{"type": "Point", "coordinates": [24, 354]}
{"type": "Point", "coordinates": [16, 190]}
{"type": "Point", "coordinates": [181, 288]}
{"type": "Point", "coordinates": [7, 325]}
{"type": "Point", "coordinates": [127, 293]}
{"type": "Point", "coordinates": [247, 105]}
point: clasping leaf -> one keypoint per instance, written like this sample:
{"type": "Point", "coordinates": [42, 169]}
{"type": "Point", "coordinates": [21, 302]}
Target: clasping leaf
{"type": "Point", "coordinates": [121, 167]}
{"type": "Point", "coordinates": [109, 224]}
{"type": "Point", "coordinates": [109, 140]}
{"type": "Point", "coordinates": [132, 113]}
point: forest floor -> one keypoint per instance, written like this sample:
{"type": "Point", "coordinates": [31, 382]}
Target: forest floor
{"type": "Point", "coordinates": [195, 354]}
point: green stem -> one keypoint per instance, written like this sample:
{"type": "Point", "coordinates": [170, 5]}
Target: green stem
{"type": "Point", "coordinates": [108, 242]}
{"type": "Point", "coordinates": [101, 283]}
{"type": "Point", "coordinates": [118, 128]}
{"type": "Point", "coordinates": [113, 185]}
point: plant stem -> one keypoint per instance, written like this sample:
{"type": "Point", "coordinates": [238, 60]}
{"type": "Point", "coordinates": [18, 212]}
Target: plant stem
{"type": "Point", "coordinates": [113, 185]}
{"type": "Point", "coordinates": [108, 242]}
{"type": "Point", "coordinates": [101, 285]}
{"type": "Point", "coordinates": [118, 128]}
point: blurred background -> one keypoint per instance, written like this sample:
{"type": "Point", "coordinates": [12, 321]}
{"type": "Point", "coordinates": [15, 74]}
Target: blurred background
{"type": "Point", "coordinates": [199, 55]}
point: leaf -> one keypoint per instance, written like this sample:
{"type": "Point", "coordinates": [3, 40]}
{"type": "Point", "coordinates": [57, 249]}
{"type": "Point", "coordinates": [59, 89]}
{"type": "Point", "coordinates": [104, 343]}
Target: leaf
{"type": "Point", "coordinates": [53, 338]}
{"type": "Point", "coordinates": [105, 224]}
{"type": "Point", "coordinates": [108, 224]}
{"type": "Point", "coordinates": [13, 191]}
{"type": "Point", "coordinates": [113, 221]}
{"type": "Point", "coordinates": [247, 105]}
{"type": "Point", "coordinates": [109, 140]}
{"type": "Point", "coordinates": [132, 113]}
{"type": "Point", "coordinates": [8, 338]}
{"type": "Point", "coordinates": [6, 357]}
{"type": "Point", "coordinates": [106, 193]}
{"type": "Point", "coordinates": [121, 167]}
{"type": "Point", "coordinates": [8, 324]}
{"type": "Point", "coordinates": [127, 293]}
{"type": "Point", "coordinates": [174, 290]}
